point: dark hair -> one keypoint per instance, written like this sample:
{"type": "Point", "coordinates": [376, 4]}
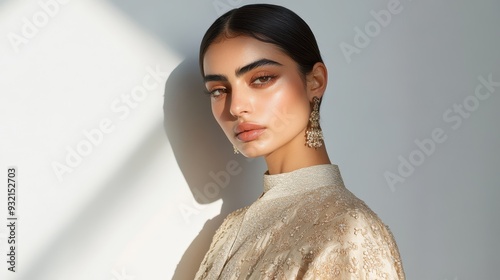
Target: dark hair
{"type": "Point", "coordinates": [271, 24]}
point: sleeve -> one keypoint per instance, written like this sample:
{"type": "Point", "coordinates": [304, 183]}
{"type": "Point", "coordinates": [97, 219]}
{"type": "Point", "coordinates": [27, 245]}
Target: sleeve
{"type": "Point", "coordinates": [360, 246]}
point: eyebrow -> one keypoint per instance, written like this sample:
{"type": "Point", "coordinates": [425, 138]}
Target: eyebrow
{"type": "Point", "coordinates": [242, 70]}
{"type": "Point", "coordinates": [215, 78]}
{"type": "Point", "coordinates": [255, 64]}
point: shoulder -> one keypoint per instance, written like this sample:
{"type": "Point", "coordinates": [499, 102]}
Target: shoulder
{"type": "Point", "coordinates": [328, 204]}
{"type": "Point", "coordinates": [233, 218]}
{"type": "Point", "coordinates": [340, 216]}
{"type": "Point", "coordinates": [350, 240]}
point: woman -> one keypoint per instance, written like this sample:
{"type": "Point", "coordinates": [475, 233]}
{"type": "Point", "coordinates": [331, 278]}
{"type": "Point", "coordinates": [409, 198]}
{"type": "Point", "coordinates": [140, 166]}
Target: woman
{"type": "Point", "coordinates": [265, 75]}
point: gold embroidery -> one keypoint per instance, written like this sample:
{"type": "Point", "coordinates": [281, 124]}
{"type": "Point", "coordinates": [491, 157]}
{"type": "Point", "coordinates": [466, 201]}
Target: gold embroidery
{"type": "Point", "coordinates": [306, 226]}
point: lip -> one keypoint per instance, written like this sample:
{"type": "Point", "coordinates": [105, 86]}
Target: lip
{"type": "Point", "coordinates": [246, 132]}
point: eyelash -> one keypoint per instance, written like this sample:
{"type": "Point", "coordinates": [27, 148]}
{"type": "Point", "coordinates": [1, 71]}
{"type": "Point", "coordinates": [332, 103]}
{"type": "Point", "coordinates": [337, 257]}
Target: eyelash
{"type": "Point", "coordinates": [211, 92]}
{"type": "Point", "coordinates": [269, 79]}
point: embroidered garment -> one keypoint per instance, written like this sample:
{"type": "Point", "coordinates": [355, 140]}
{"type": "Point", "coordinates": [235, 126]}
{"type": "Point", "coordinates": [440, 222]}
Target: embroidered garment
{"type": "Point", "coordinates": [306, 225]}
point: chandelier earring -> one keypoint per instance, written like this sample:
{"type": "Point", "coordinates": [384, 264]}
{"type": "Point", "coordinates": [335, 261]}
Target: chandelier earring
{"type": "Point", "coordinates": [314, 135]}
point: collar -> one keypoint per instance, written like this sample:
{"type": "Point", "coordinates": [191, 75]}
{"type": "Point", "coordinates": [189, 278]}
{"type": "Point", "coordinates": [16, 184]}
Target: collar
{"type": "Point", "coordinates": [301, 180]}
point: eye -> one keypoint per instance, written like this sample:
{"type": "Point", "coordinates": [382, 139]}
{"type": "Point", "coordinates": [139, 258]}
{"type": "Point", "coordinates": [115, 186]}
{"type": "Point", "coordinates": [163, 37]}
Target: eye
{"type": "Point", "coordinates": [262, 80]}
{"type": "Point", "coordinates": [217, 92]}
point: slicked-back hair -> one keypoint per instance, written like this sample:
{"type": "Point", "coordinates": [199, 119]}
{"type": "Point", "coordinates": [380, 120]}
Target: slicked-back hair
{"type": "Point", "coordinates": [271, 24]}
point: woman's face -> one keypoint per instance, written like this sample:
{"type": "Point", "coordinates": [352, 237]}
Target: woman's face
{"type": "Point", "coordinates": [258, 95]}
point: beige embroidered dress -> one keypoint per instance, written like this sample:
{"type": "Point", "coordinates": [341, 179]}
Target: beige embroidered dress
{"type": "Point", "coordinates": [306, 225]}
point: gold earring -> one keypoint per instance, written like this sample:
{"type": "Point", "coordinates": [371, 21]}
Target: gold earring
{"type": "Point", "coordinates": [314, 135]}
{"type": "Point", "coordinates": [235, 150]}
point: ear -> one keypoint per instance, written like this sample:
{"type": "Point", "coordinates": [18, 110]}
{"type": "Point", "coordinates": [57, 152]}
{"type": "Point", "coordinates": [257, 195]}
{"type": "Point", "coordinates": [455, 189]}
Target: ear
{"type": "Point", "coordinates": [317, 80]}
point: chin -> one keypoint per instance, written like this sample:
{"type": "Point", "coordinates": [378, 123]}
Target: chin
{"type": "Point", "coordinates": [251, 153]}
{"type": "Point", "coordinates": [253, 150]}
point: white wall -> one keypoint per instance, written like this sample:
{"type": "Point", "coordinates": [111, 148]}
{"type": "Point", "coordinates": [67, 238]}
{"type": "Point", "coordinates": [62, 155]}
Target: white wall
{"type": "Point", "coordinates": [127, 208]}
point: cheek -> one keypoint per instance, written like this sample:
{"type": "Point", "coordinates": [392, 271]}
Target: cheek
{"type": "Point", "coordinates": [216, 110]}
{"type": "Point", "coordinates": [288, 108]}
{"type": "Point", "coordinates": [221, 116]}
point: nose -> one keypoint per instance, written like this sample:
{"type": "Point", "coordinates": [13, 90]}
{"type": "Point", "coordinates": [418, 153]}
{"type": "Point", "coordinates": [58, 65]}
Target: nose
{"type": "Point", "coordinates": [240, 103]}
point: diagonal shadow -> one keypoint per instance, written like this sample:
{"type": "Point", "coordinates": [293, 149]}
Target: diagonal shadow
{"type": "Point", "coordinates": [198, 144]}
{"type": "Point", "coordinates": [200, 147]}
{"type": "Point", "coordinates": [78, 232]}
{"type": "Point", "coordinates": [174, 23]}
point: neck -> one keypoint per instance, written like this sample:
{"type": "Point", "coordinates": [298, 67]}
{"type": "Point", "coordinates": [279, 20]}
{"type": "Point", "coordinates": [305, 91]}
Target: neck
{"type": "Point", "coordinates": [295, 155]}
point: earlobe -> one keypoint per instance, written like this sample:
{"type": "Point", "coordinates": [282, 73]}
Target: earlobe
{"type": "Point", "coordinates": [317, 80]}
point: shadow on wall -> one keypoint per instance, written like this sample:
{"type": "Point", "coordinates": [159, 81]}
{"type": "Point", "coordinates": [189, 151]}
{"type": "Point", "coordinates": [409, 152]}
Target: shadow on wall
{"type": "Point", "coordinates": [205, 157]}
